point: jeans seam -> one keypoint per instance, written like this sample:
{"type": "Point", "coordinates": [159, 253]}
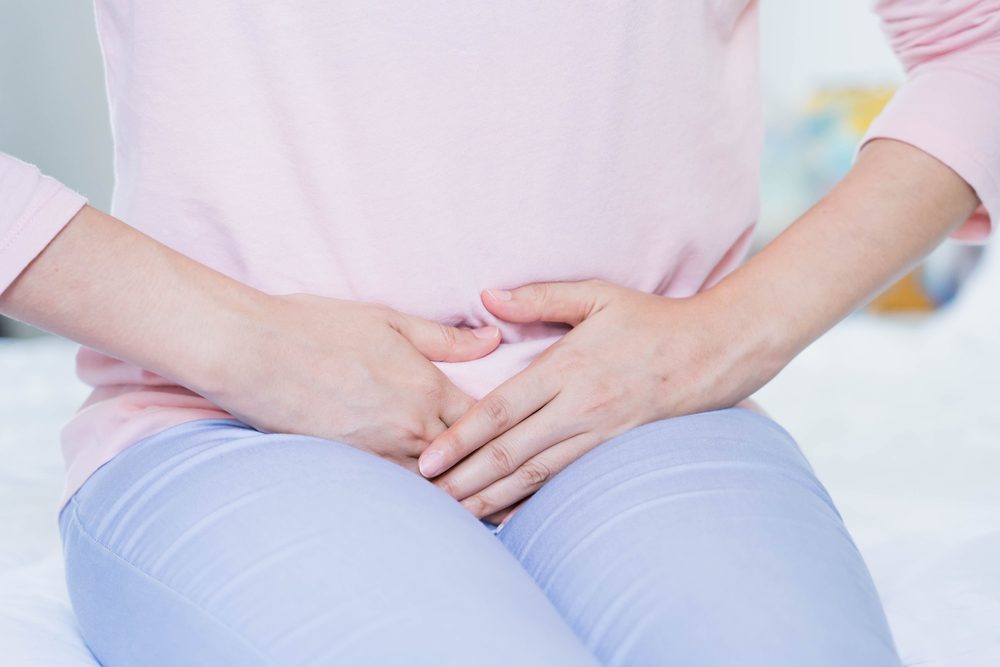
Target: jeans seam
{"type": "Point", "coordinates": [75, 517]}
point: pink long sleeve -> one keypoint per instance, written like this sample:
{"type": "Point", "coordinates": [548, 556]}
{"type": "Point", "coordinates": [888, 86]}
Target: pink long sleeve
{"type": "Point", "coordinates": [949, 106]}
{"type": "Point", "coordinates": [33, 209]}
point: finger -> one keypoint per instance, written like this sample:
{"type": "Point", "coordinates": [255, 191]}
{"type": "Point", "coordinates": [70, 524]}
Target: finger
{"type": "Point", "coordinates": [455, 404]}
{"type": "Point", "coordinates": [498, 411]}
{"type": "Point", "coordinates": [504, 515]}
{"type": "Point", "coordinates": [507, 452]}
{"type": "Point", "coordinates": [435, 428]}
{"type": "Point", "coordinates": [496, 517]}
{"type": "Point", "coordinates": [440, 342]}
{"type": "Point", "coordinates": [568, 302]}
{"type": "Point", "coordinates": [531, 476]}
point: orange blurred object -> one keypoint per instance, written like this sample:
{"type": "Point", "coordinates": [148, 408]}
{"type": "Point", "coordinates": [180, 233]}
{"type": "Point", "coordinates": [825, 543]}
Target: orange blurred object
{"type": "Point", "coordinates": [905, 295]}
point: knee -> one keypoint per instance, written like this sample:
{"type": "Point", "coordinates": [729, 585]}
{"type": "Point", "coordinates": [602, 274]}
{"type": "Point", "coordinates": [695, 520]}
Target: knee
{"type": "Point", "coordinates": [728, 489]}
{"type": "Point", "coordinates": [714, 465]}
{"type": "Point", "coordinates": [210, 479]}
{"type": "Point", "coordinates": [729, 455]}
{"type": "Point", "coordinates": [266, 548]}
{"type": "Point", "coordinates": [731, 436]}
{"type": "Point", "coordinates": [712, 533]}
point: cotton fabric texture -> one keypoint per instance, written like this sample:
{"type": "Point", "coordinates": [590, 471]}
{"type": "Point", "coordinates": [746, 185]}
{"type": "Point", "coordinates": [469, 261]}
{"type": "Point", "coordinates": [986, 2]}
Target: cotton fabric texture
{"type": "Point", "coordinates": [412, 154]}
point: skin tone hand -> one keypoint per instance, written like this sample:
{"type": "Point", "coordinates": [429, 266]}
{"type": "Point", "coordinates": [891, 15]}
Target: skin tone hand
{"type": "Point", "coordinates": [632, 357]}
{"type": "Point", "coordinates": [342, 370]}
{"type": "Point", "coordinates": [236, 345]}
{"type": "Point", "coordinates": [353, 372]}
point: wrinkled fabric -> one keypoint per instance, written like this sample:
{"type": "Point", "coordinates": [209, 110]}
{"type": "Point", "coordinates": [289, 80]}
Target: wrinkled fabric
{"type": "Point", "coordinates": [700, 541]}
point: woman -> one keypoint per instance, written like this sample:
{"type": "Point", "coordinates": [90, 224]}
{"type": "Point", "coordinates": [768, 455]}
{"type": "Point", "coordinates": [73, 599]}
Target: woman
{"type": "Point", "coordinates": [428, 340]}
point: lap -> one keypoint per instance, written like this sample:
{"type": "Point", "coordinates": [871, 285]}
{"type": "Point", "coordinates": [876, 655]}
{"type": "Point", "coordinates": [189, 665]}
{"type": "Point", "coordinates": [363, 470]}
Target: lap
{"type": "Point", "coordinates": [215, 544]}
{"type": "Point", "coordinates": [704, 539]}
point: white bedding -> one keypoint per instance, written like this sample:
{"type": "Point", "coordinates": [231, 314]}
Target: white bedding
{"type": "Point", "coordinates": [899, 419]}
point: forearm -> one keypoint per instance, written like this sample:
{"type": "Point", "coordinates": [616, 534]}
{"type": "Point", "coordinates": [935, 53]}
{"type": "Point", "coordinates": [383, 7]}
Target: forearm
{"type": "Point", "coordinates": [112, 288]}
{"type": "Point", "coordinates": [896, 204]}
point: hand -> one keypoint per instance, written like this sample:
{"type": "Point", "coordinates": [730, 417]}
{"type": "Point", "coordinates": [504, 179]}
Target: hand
{"type": "Point", "coordinates": [349, 371]}
{"type": "Point", "coordinates": [336, 369]}
{"type": "Point", "coordinates": [631, 358]}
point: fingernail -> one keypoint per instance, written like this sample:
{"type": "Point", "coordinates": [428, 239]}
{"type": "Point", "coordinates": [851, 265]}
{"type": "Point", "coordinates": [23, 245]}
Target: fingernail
{"type": "Point", "coordinates": [431, 463]}
{"type": "Point", "coordinates": [500, 294]}
{"type": "Point", "coordinates": [486, 332]}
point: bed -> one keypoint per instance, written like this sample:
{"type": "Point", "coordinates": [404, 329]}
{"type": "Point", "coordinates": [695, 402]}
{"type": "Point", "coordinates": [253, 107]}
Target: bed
{"type": "Point", "coordinates": [899, 417]}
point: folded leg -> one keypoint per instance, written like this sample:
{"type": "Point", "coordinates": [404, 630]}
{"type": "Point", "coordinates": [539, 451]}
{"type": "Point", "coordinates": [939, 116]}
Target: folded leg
{"type": "Point", "coordinates": [214, 544]}
{"type": "Point", "coordinates": [702, 540]}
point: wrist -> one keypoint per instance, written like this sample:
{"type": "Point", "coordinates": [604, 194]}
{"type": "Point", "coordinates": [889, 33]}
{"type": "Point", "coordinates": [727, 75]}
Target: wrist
{"type": "Point", "coordinates": [109, 287]}
{"type": "Point", "coordinates": [890, 210]}
{"type": "Point", "coordinates": [205, 332]}
{"type": "Point", "coordinates": [229, 342]}
{"type": "Point", "coordinates": [762, 334]}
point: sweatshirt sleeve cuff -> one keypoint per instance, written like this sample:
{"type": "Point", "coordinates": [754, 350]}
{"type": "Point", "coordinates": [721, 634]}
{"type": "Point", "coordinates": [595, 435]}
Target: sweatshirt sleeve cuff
{"type": "Point", "coordinates": [951, 114]}
{"type": "Point", "coordinates": [43, 207]}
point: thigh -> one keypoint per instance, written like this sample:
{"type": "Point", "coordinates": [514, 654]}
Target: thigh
{"type": "Point", "coordinates": [702, 540]}
{"type": "Point", "coordinates": [215, 544]}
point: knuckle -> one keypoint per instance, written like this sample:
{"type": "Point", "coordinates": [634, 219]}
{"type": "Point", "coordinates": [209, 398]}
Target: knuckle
{"type": "Point", "coordinates": [500, 459]}
{"type": "Point", "coordinates": [416, 444]}
{"type": "Point", "coordinates": [450, 335]}
{"type": "Point", "coordinates": [430, 386]}
{"type": "Point", "coordinates": [538, 292]}
{"type": "Point", "coordinates": [391, 317]}
{"type": "Point", "coordinates": [534, 474]}
{"type": "Point", "coordinates": [498, 411]}
{"type": "Point", "coordinates": [451, 446]}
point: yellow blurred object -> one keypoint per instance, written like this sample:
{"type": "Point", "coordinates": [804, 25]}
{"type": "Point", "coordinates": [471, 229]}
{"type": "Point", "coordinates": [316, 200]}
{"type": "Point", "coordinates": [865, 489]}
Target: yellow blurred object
{"type": "Point", "coordinates": [809, 151]}
{"type": "Point", "coordinates": [857, 108]}
{"type": "Point", "coordinates": [905, 295]}
{"type": "Point", "coordinates": [860, 105]}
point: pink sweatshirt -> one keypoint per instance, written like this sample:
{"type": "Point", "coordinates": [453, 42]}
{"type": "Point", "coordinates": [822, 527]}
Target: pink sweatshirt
{"type": "Point", "coordinates": [414, 153]}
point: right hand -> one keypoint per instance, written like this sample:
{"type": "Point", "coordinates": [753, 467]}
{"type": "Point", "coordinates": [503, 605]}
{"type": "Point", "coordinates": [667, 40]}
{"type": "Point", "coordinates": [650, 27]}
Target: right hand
{"type": "Point", "coordinates": [349, 371]}
{"type": "Point", "coordinates": [341, 370]}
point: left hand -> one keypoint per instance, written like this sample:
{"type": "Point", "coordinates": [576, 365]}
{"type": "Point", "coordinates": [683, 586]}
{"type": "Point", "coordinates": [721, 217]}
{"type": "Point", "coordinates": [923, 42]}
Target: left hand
{"type": "Point", "coordinates": [630, 358]}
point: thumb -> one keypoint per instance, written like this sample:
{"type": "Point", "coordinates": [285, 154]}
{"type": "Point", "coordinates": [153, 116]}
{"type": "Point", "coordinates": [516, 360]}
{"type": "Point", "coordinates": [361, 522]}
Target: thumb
{"type": "Point", "coordinates": [568, 302]}
{"type": "Point", "coordinates": [440, 342]}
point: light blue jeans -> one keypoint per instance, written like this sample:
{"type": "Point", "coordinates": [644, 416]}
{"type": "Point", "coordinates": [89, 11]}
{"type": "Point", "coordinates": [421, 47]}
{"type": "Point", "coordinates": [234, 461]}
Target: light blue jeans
{"type": "Point", "coordinates": [700, 540]}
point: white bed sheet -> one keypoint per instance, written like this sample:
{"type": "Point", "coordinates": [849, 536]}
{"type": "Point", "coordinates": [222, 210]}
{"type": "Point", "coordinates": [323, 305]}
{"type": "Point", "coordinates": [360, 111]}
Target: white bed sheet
{"type": "Point", "coordinates": [900, 420]}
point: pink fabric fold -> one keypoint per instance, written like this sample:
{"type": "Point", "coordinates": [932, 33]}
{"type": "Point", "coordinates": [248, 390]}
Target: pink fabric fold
{"type": "Point", "coordinates": [33, 210]}
{"type": "Point", "coordinates": [949, 105]}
